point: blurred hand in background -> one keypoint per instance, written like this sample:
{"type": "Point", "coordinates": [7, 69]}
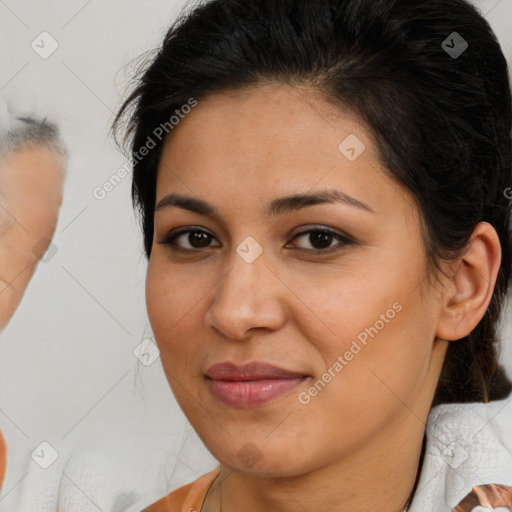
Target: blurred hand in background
{"type": "Point", "coordinates": [33, 163]}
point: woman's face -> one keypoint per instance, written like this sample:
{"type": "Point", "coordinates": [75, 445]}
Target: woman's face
{"type": "Point", "coordinates": [349, 311]}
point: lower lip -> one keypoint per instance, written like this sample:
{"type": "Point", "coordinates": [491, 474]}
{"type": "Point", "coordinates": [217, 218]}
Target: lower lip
{"type": "Point", "coordinates": [252, 393]}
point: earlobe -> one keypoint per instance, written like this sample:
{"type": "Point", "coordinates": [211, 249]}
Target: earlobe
{"type": "Point", "coordinates": [470, 288]}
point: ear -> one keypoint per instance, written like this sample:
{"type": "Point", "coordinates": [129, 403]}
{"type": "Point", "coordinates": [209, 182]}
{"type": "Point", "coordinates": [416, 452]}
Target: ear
{"type": "Point", "coordinates": [468, 291]}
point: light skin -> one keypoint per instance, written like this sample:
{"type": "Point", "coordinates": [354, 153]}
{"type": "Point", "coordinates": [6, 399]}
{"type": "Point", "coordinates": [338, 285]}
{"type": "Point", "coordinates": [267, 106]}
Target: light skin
{"type": "Point", "coordinates": [31, 182]}
{"type": "Point", "coordinates": [356, 445]}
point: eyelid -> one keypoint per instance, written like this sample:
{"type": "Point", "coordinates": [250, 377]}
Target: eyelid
{"type": "Point", "coordinates": [344, 239]}
{"type": "Point", "coordinates": [171, 237]}
{"type": "Point", "coordinates": [323, 229]}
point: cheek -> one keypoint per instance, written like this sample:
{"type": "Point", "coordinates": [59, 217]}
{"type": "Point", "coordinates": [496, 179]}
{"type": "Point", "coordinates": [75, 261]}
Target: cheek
{"type": "Point", "coordinates": [385, 358]}
{"type": "Point", "coordinates": [174, 305]}
{"type": "Point", "coordinates": [163, 310]}
{"type": "Point", "coordinates": [337, 304]}
{"type": "Point", "coordinates": [167, 295]}
{"type": "Point", "coordinates": [382, 331]}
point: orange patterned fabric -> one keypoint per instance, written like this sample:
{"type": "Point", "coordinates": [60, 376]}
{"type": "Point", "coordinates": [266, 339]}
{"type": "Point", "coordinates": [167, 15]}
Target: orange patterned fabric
{"type": "Point", "coordinates": [190, 497]}
{"type": "Point", "coordinates": [3, 458]}
{"type": "Point", "coordinates": [489, 496]}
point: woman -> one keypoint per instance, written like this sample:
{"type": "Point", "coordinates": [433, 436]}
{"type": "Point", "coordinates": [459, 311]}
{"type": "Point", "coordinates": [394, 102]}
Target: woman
{"type": "Point", "coordinates": [264, 129]}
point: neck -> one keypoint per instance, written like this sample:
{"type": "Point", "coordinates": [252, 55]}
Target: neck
{"type": "Point", "coordinates": [361, 481]}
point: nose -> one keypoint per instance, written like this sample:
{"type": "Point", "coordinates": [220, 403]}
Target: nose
{"type": "Point", "coordinates": [249, 296]}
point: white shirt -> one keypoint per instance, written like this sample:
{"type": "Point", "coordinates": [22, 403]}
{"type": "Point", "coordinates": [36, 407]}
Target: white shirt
{"type": "Point", "coordinates": [467, 445]}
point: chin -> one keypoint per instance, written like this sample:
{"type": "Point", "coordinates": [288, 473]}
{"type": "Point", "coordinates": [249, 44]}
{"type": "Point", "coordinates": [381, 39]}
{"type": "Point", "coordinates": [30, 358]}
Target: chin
{"type": "Point", "coordinates": [253, 461]}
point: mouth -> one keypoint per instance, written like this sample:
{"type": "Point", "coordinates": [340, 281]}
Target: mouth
{"type": "Point", "coordinates": [251, 385]}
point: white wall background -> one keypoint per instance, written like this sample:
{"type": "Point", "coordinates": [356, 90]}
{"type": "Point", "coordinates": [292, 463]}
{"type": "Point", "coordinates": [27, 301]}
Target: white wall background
{"type": "Point", "coordinates": [67, 370]}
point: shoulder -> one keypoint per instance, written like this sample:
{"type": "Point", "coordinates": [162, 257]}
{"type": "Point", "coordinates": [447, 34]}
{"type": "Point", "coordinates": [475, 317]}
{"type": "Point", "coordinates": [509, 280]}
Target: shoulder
{"type": "Point", "coordinates": [188, 498]}
{"type": "Point", "coordinates": [468, 455]}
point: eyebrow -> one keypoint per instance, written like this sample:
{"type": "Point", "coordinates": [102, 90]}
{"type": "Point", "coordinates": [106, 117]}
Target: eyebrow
{"type": "Point", "coordinates": [276, 208]}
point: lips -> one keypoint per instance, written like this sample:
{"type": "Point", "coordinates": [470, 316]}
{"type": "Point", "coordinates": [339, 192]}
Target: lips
{"type": "Point", "coordinates": [251, 385]}
{"type": "Point", "coordinates": [250, 371]}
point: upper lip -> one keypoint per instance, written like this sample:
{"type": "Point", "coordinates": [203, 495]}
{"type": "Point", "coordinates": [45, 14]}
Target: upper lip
{"type": "Point", "coordinates": [249, 371]}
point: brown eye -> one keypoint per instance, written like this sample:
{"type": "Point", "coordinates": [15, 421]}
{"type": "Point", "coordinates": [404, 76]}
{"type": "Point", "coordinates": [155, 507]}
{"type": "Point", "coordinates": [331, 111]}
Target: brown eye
{"type": "Point", "coordinates": [196, 239]}
{"type": "Point", "coordinates": [321, 240]}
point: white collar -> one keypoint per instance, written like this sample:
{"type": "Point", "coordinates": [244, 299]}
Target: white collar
{"type": "Point", "coordinates": [467, 445]}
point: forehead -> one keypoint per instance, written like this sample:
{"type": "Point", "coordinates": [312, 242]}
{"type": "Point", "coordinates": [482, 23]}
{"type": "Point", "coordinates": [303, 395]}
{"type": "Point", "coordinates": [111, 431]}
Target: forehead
{"type": "Point", "coordinates": [272, 140]}
{"type": "Point", "coordinates": [263, 128]}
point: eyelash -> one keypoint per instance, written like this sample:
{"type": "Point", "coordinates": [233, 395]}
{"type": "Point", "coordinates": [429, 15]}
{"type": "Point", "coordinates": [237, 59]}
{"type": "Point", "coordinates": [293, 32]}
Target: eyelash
{"type": "Point", "coordinates": [344, 241]}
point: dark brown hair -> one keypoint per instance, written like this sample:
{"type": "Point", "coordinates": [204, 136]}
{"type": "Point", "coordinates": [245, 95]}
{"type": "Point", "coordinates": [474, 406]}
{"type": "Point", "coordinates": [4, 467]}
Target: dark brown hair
{"type": "Point", "coordinates": [428, 78]}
